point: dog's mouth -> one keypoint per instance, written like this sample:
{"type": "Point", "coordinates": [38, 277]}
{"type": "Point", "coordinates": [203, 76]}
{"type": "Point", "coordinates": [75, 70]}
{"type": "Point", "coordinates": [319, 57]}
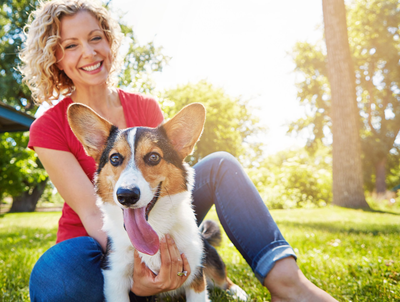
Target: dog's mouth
{"type": "Point", "coordinates": [153, 201]}
{"type": "Point", "coordinates": [140, 232]}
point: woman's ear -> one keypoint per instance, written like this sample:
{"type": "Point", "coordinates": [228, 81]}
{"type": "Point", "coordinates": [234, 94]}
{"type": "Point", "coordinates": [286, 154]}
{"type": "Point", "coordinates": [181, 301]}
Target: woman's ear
{"type": "Point", "coordinates": [59, 54]}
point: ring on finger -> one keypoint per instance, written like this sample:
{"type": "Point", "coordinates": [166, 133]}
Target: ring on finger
{"type": "Point", "coordinates": [182, 274]}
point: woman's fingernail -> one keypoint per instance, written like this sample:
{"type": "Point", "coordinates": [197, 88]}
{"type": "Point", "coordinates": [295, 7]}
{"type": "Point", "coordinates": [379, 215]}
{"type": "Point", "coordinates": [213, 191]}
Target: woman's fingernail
{"type": "Point", "coordinates": [170, 238]}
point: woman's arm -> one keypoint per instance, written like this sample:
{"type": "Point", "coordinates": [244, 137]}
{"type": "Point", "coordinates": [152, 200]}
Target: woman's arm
{"type": "Point", "coordinates": [75, 188]}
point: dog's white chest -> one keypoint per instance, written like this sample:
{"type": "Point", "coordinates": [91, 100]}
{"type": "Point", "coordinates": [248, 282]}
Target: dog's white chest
{"type": "Point", "coordinates": [181, 227]}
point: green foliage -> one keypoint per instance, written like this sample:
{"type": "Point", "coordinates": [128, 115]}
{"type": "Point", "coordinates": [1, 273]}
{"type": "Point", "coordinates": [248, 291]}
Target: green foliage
{"type": "Point", "coordinates": [13, 17]}
{"type": "Point", "coordinates": [20, 169]}
{"type": "Point", "coordinates": [229, 121]}
{"type": "Point", "coordinates": [295, 179]}
{"type": "Point", "coordinates": [373, 29]}
{"type": "Point", "coordinates": [351, 254]}
{"type": "Point", "coordinates": [50, 197]}
{"type": "Point", "coordinates": [390, 203]}
{"type": "Point", "coordinates": [140, 63]}
{"type": "Point", "coordinates": [313, 91]}
{"type": "Point", "coordinates": [393, 166]}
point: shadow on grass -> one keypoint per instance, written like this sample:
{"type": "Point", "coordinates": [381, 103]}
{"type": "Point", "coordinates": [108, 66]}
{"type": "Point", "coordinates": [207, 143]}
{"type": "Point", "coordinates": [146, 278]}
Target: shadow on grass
{"type": "Point", "coordinates": [381, 212]}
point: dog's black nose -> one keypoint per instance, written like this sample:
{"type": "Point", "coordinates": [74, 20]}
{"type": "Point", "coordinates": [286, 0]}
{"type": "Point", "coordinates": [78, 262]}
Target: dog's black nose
{"type": "Point", "coordinates": [128, 197]}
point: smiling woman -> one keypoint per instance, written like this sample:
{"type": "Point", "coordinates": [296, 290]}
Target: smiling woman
{"type": "Point", "coordinates": [48, 40]}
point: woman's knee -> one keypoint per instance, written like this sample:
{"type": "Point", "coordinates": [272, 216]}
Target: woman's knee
{"type": "Point", "coordinates": [223, 159]}
{"type": "Point", "coordinates": [69, 271]}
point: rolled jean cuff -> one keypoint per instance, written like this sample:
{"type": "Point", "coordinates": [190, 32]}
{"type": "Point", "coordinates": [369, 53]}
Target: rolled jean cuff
{"type": "Point", "coordinates": [269, 255]}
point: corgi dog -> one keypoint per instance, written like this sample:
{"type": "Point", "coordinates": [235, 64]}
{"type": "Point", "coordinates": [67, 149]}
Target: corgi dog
{"type": "Point", "coordinates": [144, 192]}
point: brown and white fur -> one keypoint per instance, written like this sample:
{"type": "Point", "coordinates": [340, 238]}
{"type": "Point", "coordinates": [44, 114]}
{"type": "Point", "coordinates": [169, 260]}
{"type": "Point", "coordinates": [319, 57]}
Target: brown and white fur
{"type": "Point", "coordinates": [143, 168]}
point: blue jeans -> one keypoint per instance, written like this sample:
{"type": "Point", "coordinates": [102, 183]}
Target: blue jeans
{"type": "Point", "coordinates": [70, 271]}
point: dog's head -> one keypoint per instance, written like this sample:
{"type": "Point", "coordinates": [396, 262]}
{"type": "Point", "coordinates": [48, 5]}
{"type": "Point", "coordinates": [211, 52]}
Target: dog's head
{"type": "Point", "coordinates": [137, 166]}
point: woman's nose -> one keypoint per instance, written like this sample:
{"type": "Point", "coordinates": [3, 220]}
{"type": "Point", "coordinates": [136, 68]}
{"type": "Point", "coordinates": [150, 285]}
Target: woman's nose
{"type": "Point", "coordinates": [88, 50]}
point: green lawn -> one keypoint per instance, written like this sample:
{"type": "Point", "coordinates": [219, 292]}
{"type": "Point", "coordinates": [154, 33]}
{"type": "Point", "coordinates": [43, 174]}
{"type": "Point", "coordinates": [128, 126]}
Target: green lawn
{"type": "Point", "coordinates": [352, 254]}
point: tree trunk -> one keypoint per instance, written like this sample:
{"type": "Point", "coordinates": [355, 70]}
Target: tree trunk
{"type": "Point", "coordinates": [380, 182]}
{"type": "Point", "coordinates": [346, 156]}
{"type": "Point", "coordinates": [26, 202]}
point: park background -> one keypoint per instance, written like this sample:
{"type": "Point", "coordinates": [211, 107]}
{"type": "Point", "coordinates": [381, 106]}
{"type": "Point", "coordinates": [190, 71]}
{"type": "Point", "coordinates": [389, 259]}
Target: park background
{"type": "Point", "coordinates": [261, 69]}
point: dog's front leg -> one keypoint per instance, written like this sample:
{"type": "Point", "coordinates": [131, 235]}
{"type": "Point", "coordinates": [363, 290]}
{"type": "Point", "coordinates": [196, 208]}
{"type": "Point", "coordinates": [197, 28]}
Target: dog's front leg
{"type": "Point", "coordinates": [117, 278]}
{"type": "Point", "coordinates": [197, 290]}
{"type": "Point", "coordinates": [116, 287]}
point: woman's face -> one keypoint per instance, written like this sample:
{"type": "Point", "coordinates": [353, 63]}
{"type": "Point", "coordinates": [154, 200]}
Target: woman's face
{"type": "Point", "coordinates": [87, 54]}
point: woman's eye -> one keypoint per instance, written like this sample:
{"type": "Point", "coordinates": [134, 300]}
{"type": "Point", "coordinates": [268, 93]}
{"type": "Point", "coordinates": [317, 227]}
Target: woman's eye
{"type": "Point", "coordinates": [70, 46]}
{"type": "Point", "coordinates": [116, 159]}
{"type": "Point", "coordinates": [96, 38]}
{"type": "Point", "coordinates": [153, 158]}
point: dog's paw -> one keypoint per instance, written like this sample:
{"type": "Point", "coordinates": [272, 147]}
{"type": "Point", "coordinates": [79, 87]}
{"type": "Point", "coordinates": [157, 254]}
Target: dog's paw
{"type": "Point", "coordinates": [237, 293]}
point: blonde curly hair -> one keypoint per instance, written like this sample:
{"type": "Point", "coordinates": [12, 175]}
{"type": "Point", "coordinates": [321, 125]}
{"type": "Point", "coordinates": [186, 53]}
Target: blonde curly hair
{"type": "Point", "coordinates": [45, 80]}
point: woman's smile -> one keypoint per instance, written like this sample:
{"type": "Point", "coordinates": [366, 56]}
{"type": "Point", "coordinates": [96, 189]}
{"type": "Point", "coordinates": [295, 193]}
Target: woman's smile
{"type": "Point", "coordinates": [93, 68]}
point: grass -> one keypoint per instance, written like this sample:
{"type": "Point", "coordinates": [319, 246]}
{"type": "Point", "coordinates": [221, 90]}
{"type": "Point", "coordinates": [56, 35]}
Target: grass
{"type": "Point", "coordinates": [23, 238]}
{"type": "Point", "coordinates": [352, 254]}
{"type": "Point", "coordinates": [349, 253]}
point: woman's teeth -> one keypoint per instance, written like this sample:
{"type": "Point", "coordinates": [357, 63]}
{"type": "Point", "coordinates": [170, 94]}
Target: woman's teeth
{"type": "Point", "coordinates": [93, 67]}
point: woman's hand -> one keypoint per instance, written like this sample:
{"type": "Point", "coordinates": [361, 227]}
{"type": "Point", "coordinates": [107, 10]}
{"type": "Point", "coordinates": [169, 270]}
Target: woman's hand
{"type": "Point", "coordinates": [146, 283]}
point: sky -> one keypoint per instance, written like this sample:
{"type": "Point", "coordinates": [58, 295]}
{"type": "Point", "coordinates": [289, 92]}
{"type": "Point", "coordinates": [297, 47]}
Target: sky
{"type": "Point", "coordinates": [241, 46]}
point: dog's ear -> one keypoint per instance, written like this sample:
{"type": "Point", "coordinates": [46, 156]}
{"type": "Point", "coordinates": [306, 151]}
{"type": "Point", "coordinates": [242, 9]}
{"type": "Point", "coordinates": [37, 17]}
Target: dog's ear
{"type": "Point", "coordinates": [91, 129]}
{"type": "Point", "coordinates": [185, 128]}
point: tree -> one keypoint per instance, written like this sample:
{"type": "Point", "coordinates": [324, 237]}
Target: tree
{"type": "Point", "coordinates": [229, 121]}
{"type": "Point", "coordinates": [23, 177]}
{"type": "Point", "coordinates": [346, 152]}
{"type": "Point", "coordinates": [20, 171]}
{"type": "Point", "coordinates": [373, 30]}
{"type": "Point", "coordinates": [13, 17]}
{"type": "Point", "coordinates": [377, 58]}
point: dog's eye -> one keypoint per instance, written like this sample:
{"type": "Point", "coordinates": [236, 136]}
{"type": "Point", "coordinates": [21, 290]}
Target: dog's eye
{"type": "Point", "coordinates": [152, 158]}
{"type": "Point", "coordinates": [116, 159]}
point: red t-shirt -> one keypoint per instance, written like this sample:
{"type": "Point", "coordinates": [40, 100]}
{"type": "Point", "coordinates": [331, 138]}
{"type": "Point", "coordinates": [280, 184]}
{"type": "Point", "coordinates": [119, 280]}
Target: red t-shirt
{"type": "Point", "coordinates": [52, 131]}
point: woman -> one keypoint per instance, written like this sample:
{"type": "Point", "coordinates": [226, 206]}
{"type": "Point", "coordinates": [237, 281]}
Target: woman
{"type": "Point", "coordinates": [71, 49]}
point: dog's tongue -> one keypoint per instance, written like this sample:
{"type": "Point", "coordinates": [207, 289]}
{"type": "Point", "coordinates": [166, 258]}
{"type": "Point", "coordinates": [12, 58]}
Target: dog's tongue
{"type": "Point", "coordinates": [141, 234]}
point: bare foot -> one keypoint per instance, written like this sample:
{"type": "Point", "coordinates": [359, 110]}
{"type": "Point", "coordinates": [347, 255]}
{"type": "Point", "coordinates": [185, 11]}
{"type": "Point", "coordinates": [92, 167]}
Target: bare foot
{"type": "Point", "coordinates": [287, 283]}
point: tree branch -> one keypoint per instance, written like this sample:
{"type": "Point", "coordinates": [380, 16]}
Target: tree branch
{"type": "Point", "coordinates": [370, 89]}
